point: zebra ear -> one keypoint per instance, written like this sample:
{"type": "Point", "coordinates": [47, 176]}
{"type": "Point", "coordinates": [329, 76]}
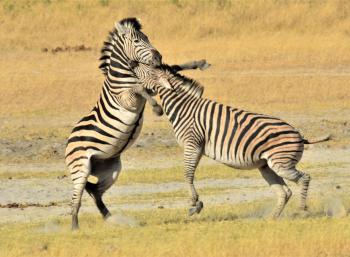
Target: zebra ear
{"type": "Point", "coordinates": [164, 83]}
{"type": "Point", "coordinates": [122, 29]}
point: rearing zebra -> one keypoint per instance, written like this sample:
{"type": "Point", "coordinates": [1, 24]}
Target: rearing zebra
{"type": "Point", "coordinates": [98, 139]}
{"type": "Point", "coordinates": [235, 137]}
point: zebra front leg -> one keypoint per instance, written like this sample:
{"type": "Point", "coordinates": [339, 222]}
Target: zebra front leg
{"type": "Point", "coordinates": [192, 156]}
{"type": "Point", "coordinates": [201, 64]}
{"type": "Point", "coordinates": [79, 178]}
{"type": "Point", "coordinates": [156, 108]}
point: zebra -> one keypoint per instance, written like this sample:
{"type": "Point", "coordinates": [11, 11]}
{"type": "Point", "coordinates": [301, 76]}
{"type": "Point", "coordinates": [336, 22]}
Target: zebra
{"type": "Point", "coordinates": [234, 137]}
{"type": "Point", "coordinates": [96, 142]}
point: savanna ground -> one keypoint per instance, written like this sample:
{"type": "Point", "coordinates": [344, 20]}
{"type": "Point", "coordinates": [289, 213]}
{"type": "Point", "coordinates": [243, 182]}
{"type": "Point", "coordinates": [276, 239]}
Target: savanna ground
{"type": "Point", "coordinates": [286, 58]}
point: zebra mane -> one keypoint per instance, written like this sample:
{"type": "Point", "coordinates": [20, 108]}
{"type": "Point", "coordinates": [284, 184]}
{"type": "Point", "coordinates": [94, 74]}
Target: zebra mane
{"type": "Point", "coordinates": [106, 52]}
{"type": "Point", "coordinates": [107, 48]}
{"type": "Point", "coordinates": [131, 22]}
{"type": "Point", "coordinates": [187, 84]}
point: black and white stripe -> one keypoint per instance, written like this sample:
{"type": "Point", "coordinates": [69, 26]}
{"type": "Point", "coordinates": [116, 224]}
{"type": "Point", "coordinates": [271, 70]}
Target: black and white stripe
{"type": "Point", "coordinates": [98, 139]}
{"type": "Point", "coordinates": [238, 138]}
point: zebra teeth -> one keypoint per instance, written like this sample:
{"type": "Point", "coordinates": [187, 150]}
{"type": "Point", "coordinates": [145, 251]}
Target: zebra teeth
{"type": "Point", "coordinates": [92, 179]}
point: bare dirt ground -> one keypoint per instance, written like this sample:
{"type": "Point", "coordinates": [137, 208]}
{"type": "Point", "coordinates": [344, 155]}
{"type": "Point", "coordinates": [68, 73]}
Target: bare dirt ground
{"type": "Point", "coordinates": [27, 199]}
{"type": "Point", "coordinates": [35, 145]}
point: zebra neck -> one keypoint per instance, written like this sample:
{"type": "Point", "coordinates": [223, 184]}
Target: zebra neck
{"type": "Point", "coordinates": [180, 109]}
{"type": "Point", "coordinates": [110, 110]}
{"type": "Point", "coordinates": [120, 76]}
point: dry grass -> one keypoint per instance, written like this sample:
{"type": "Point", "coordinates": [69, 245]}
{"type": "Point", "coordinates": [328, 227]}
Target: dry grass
{"type": "Point", "coordinates": [157, 175]}
{"type": "Point", "coordinates": [219, 231]}
{"type": "Point", "coordinates": [289, 56]}
{"type": "Point", "coordinates": [280, 57]}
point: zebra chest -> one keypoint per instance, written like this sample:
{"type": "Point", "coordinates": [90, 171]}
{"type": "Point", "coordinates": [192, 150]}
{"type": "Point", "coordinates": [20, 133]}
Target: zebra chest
{"type": "Point", "coordinates": [106, 137]}
{"type": "Point", "coordinates": [123, 139]}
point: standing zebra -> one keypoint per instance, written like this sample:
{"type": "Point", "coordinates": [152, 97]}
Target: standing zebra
{"type": "Point", "coordinates": [235, 137]}
{"type": "Point", "coordinates": [98, 139]}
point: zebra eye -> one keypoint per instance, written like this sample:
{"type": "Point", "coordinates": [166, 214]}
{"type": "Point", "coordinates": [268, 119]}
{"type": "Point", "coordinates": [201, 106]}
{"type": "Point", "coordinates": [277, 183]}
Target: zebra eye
{"type": "Point", "coordinates": [136, 41]}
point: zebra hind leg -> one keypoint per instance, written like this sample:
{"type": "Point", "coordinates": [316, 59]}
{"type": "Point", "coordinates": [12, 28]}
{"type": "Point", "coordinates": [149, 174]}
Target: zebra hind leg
{"type": "Point", "coordinates": [304, 182]}
{"type": "Point", "coordinates": [79, 179]}
{"type": "Point", "coordinates": [107, 172]}
{"type": "Point", "coordinates": [280, 187]}
{"type": "Point", "coordinates": [301, 178]}
{"type": "Point", "coordinates": [93, 191]}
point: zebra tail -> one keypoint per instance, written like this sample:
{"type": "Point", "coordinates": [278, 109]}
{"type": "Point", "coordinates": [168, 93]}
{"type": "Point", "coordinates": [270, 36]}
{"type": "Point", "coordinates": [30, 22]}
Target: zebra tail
{"type": "Point", "coordinates": [318, 140]}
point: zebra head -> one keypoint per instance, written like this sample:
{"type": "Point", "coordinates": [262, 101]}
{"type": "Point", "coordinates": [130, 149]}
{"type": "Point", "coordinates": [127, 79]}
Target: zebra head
{"type": "Point", "coordinates": [135, 44]}
{"type": "Point", "coordinates": [163, 78]}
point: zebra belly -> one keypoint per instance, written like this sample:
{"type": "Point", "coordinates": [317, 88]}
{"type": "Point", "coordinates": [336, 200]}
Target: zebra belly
{"type": "Point", "coordinates": [106, 172]}
{"type": "Point", "coordinates": [235, 163]}
{"type": "Point", "coordinates": [117, 146]}
{"type": "Point", "coordinates": [245, 165]}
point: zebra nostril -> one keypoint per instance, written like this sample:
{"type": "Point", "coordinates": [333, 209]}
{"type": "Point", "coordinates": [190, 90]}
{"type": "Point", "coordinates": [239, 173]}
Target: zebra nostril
{"type": "Point", "coordinates": [157, 58]}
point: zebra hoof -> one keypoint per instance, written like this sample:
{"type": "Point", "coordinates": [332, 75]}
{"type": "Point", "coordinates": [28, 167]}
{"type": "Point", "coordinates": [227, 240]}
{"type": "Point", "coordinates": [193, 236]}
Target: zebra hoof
{"type": "Point", "coordinates": [199, 206]}
{"type": "Point", "coordinates": [106, 216]}
{"type": "Point", "coordinates": [196, 209]}
{"type": "Point", "coordinates": [203, 65]}
{"type": "Point", "coordinates": [192, 211]}
{"type": "Point", "coordinates": [157, 110]}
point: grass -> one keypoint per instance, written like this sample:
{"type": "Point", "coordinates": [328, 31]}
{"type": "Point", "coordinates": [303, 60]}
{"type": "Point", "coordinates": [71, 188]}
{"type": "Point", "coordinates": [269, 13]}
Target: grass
{"type": "Point", "coordinates": [286, 58]}
{"type": "Point", "coordinates": [281, 39]}
{"type": "Point", "coordinates": [175, 174]}
{"type": "Point", "coordinates": [219, 231]}
{"type": "Point", "coordinates": [148, 175]}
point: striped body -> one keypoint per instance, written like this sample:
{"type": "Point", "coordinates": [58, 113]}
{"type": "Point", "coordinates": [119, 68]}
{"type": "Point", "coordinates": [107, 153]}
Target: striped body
{"type": "Point", "coordinates": [242, 139]}
{"type": "Point", "coordinates": [98, 139]}
{"type": "Point", "coordinates": [235, 137]}
{"type": "Point", "coordinates": [107, 131]}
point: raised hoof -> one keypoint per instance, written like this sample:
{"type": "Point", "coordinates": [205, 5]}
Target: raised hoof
{"type": "Point", "coordinates": [196, 209]}
{"type": "Point", "coordinates": [157, 110]}
{"type": "Point", "coordinates": [202, 65]}
{"type": "Point", "coordinates": [105, 217]}
{"type": "Point", "coordinates": [192, 211]}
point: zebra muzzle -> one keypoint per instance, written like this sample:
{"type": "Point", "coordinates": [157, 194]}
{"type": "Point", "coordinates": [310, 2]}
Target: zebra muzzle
{"type": "Point", "coordinates": [157, 58]}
